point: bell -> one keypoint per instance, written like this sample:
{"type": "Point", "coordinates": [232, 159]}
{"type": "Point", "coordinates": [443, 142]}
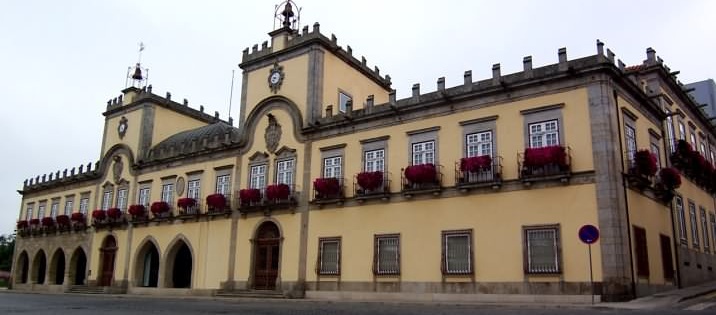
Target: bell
{"type": "Point", "coordinates": [288, 14]}
{"type": "Point", "coordinates": [137, 73]}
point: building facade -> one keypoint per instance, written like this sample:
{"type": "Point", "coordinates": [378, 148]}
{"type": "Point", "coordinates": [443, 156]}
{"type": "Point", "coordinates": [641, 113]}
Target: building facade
{"type": "Point", "coordinates": [331, 187]}
{"type": "Point", "coordinates": [704, 92]}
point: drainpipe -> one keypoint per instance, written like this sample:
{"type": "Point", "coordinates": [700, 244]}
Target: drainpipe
{"type": "Point", "coordinates": [626, 198]}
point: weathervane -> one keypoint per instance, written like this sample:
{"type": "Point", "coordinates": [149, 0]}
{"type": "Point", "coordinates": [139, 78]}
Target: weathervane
{"type": "Point", "coordinates": [138, 75]}
{"type": "Point", "coordinates": [286, 18]}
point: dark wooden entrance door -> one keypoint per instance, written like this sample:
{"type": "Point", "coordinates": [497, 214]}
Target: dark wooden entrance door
{"type": "Point", "coordinates": [266, 259]}
{"type": "Point", "coordinates": [108, 251]}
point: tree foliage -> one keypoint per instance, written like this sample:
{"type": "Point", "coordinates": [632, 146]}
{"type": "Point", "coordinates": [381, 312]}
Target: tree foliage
{"type": "Point", "coordinates": [7, 245]}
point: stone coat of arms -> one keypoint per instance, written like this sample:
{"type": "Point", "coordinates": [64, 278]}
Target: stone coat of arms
{"type": "Point", "coordinates": [272, 134]}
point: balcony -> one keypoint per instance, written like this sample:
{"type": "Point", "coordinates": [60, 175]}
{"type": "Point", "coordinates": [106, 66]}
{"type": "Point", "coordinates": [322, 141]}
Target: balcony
{"type": "Point", "coordinates": [218, 203]}
{"type": "Point", "coordinates": [110, 218]}
{"type": "Point", "coordinates": [544, 164]}
{"type": "Point", "coordinates": [250, 200]}
{"type": "Point", "coordinates": [371, 185]}
{"type": "Point", "coordinates": [188, 207]}
{"type": "Point", "coordinates": [280, 196]}
{"type": "Point", "coordinates": [328, 190]}
{"type": "Point", "coordinates": [421, 179]}
{"type": "Point", "coordinates": [478, 172]}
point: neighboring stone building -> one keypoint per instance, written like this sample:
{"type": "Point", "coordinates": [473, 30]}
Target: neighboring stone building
{"type": "Point", "coordinates": [704, 92]}
{"type": "Point", "coordinates": [332, 188]}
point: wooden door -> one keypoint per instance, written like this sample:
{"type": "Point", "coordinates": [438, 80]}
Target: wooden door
{"type": "Point", "coordinates": [266, 259]}
{"type": "Point", "coordinates": [108, 251]}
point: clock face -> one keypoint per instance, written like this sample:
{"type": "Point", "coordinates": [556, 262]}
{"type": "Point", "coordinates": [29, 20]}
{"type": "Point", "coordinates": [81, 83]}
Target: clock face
{"type": "Point", "coordinates": [275, 77]}
{"type": "Point", "coordinates": [122, 127]}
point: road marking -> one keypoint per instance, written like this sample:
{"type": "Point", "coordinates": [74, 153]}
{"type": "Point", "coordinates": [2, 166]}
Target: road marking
{"type": "Point", "coordinates": [700, 306]}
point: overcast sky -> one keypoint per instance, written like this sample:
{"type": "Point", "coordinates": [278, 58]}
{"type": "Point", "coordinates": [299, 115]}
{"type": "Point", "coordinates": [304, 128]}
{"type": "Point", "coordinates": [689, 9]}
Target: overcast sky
{"type": "Point", "coordinates": [62, 60]}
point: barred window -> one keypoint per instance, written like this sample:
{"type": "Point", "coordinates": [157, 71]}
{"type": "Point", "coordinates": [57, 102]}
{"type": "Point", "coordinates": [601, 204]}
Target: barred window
{"type": "Point", "coordinates": [386, 259]}
{"type": "Point", "coordinates": [542, 250]}
{"type": "Point", "coordinates": [543, 134]}
{"type": "Point", "coordinates": [457, 252]}
{"type": "Point", "coordinates": [329, 256]}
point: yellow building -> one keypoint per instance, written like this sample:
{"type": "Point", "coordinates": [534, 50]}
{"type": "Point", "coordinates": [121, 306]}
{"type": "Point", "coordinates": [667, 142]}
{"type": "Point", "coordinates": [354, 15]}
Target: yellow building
{"type": "Point", "coordinates": [332, 188]}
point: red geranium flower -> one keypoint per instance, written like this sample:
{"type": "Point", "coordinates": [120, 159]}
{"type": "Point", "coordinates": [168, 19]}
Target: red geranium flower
{"type": "Point", "coordinates": [160, 207]}
{"type": "Point", "coordinates": [216, 201]}
{"type": "Point", "coordinates": [186, 202]}
{"type": "Point", "coordinates": [370, 180]}
{"type": "Point", "coordinates": [137, 210]}
{"type": "Point", "coordinates": [278, 191]}
{"type": "Point", "coordinates": [99, 214]}
{"type": "Point", "coordinates": [114, 213]}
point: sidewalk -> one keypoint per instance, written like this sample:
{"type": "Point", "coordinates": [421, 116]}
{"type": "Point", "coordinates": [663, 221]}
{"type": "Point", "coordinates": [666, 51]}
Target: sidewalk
{"type": "Point", "coordinates": [665, 299]}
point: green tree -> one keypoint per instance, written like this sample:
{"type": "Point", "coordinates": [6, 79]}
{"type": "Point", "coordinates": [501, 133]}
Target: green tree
{"type": "Point", "coordinates": [7, 245]}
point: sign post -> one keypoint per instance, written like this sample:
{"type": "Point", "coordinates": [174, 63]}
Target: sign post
{"type": "Point", "coordinates": [589, 234]}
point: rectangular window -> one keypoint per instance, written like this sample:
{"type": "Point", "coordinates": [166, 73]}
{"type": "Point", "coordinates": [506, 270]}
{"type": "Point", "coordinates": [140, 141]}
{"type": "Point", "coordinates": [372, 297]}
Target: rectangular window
{"type": "Point", "coordinates": [122, 199]}
{"type": "Point", "coordinates": [41, 212]}
{"type": "Point", "coordinates": [28, 213]}
{"type": "Point", "coordinates": [386, 259]}
{"type": "Point", "coordinates": [666, 260]}
{"type": "Point", "coordinates": [457, 252]}
{"type": "Point", "coordinates": [54, 208]}
{"type": "Point", "coordinates": [144, 196]}
{"type": "Point", "coordinates": [106, 199]}
{"type": "Point", "coordinates": [702, 148]}
{"type": "Point", "coordinates": [693, 140]}
{"type": "Point", "coordinates": [478, 144]}
{"type": "Point", "coordinates": [258, 177]}
{"type": "Point", "coordinates": [168, 193]}
{"type": "Point", "coordinates": [682, 219]}
{"type": "Point", "coordinates": [374, 160]}
{"type": "Point", "coordinates": [329, 256]}
{"type": "Point", "coordinates": [193, 189]}
{"type": "Point", "coordinates": [704, 228]}
{"type": "Point", "coordinates": [656, 153]}
{"type": "Point", "coordinates": [711, 154]}
{"type": "Point", "coordinates": [694, 225]}
{"type": "Point", "coordinates": [543, 134]}
{"type": "Point", "coordinates": [284, 171]}
{"type": "Point", "coordinates": [712, 218]}
{"type": "Point", "coordinates": [84, 205]}
{"type": "Point", "coordinates": [223, 184]}
{"type": "Point", "coordinates": [68, 206]}
{"type": "Point", "coordinates": [670, 130]}
{"type": "Point", "coordinates": [424, 153]}
{"type": "Point", "coordinates": [630, 139]}
{"type": "Point", "coordinates": [682, 131]}
{"type": "Point", "coordinates": [343, 99]}
{"type": "Point", "coordinates": [641, 251]}
{"type": "Point", "coordinates": [542, 250]}
{"type": "Point", "coordinates": [332, 167]}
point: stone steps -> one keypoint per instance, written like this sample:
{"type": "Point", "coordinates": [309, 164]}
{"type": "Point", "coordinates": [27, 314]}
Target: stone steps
{"type": "Point", "coordinates": [255, 294]}
{"type": "Point", "coordinates": [83, 289]}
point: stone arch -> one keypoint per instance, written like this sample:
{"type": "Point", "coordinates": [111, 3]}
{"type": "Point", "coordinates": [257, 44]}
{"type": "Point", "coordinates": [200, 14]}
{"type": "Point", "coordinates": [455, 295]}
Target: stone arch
{"type": "Point", "coordinates": [22, 268]}
{"type": "Point", "coordinates": [78, 267]}
{"type": "Point", "coordinates": [57, 267]}
{"type": "Point", "coordinates": [261, 110]}
{"type": "Point", "coordinates": [107, 255]}
{"type": "Point", "coordinates": [266, 255]}
{"type": "Point", "coordinates": [39, 267]}
{"type": "Point", "coordinates": [179, 263]}
{"type": "Point", "coordinates": [146, 263]}
{"type": "Point", "coordinates": [117, 149]}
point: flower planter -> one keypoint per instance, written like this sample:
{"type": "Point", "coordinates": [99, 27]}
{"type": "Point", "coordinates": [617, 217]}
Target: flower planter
{"type": "Point", "coordinates": [63, 220]}
{"type": "Point", "coordinates": [421, 173]}
{"type": "Point", "coordinates": [22, 224]}
{"type": "Point", "coordinates": [99, 215]}
{"type": "Point", "coordinates": [216, 201]}
{"type": "Point", "coordinates": [78, 217]}
{"type": "Point", "coordinates": [34, 222]}
{"type": "Point", "coordinates": [137, 211]}
{"type": "Point", "coordinates": [370, 180]}
{"type": "Point", "coordinates": [327, 187]}
{"type": "Point", "coordinates": [644, 164]}
{"type": "Point", "coordinates": [476, 163]}
{"type": "Point", "coordinates": [278, 192]}
{"type": "Point", "coordinates": [249, 196]}
{"type": "Point", "coordinates": [670, 178]}
{"type": "Point", "coordinates": [48, 222]}
{"type": "Point", "coordinates": [159, 208]}
{"type": "Point", "coordinates": [540, 157]}
{"type": "Point", "coordinates": [186, 202]}
{"type": "Point", "coordinates": [114, 213]}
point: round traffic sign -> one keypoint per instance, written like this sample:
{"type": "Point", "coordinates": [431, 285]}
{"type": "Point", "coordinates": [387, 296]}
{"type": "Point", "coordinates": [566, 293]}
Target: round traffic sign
{"type": "Point", "coordinates": [589, 234]}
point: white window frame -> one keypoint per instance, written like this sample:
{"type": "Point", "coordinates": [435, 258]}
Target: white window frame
{"type": "Point", "coordinates": [223, 184]}
{"type": "Point", "coordinates": [168, 193]}
{"type": "Point", "coordinates": [529, 249]}
{"type": "Point", "coordinates": [343, 99]}
{"type": "Point", "coordinates": [257, 176]}
{"type": "Point", "coordinates": [423, 152]}
{"type": "Point", "coordinates": [106, 199]}
{"type": "Point", "coordinates": [681, 216]}
{"type": "Point", "coordinates": [692, 138]}
{"type": "Point", "coordinates": [122, 199]}
{"type": "Point", "coordinates": [69, 203]}
{"type": "Point", "coordinates": [478, 144]}
{"type": "Point", "coordinates": [374, 160]}
{"type": "Point", "coordinates": [670, 130]}
{"type": "Point", "coordinates": [84, 205]}
{"type": "Point", "coordinates": [144, 196]}
{"type": "Point", "coordinates": [682, 131]}
{"type": "Point", "coordinates": [332, 167]}
{"type": "Point", "coordinates": [387, 249]}
{"type": "Point", "coordinates": [630, 139]}
{"type": "Point", "coordinates": [447, 268]}
{"type": "Point", "coordinates": [54, 207]}
{"type": "Point", "coordinates": [694, 225]}
{"type": "Point", "coordinates": [41, 211]}
{"type": "Point", "coordinates": [332, 268]}
{"type": "Point", "coordinates": [29, 213]}
{"type": "Point", "coordinates": [193, 189]}
{"type": "Point", "coordinates": [544, 133]}
{"type": "Point", "coordinates": [285, 170]}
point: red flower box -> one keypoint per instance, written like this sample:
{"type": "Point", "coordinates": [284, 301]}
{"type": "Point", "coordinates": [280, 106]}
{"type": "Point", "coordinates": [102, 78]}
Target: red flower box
{"type": "Point", "coordinates": [159, 207]}
{"type": "Point", "coordinates": [327, 186]}
{"type": "Point", "coordinates": [186, 202]}
{"type": "Point", "coordinates": [48, 221]}
{"type": "Point", "coordinates": [63, 220]}
{"type": "Point", "coordinates": [99, 214]}
{"type": "Point", "coordinates": [476, 163]}
{"type": "Point", "coordinates": [22, 224]}
{"type": "Point", "coordinates": [78, 217]}
{"type": "Point", "coordinates": [645, 163]}
{"type": "Point", "coordinates": [137, 210]}
{"type": "Point", "coordinates": [278, 191]}
{"type": "Point", "coordinates": [249, 195]}
{"type": "Point", "coordinates": [114, 213]}
{"type": "Point", "coordinates": [216, 201]}
{"type": "Point", "coordinates": [421, 173]}
{"type": "Point", "coordinates": [539, 157]}
{"type": "Point", "coordinates": [670, 178]}
{"type": "Point", "coordinates": [34, 221]}
{"type": "Point", "coordinates": [370, 180]}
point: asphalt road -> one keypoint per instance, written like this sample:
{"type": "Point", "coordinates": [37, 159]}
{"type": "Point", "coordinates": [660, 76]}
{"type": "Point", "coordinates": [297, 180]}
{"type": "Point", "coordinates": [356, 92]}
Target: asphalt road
{"type": "Point", "coordinates": [19, 303]}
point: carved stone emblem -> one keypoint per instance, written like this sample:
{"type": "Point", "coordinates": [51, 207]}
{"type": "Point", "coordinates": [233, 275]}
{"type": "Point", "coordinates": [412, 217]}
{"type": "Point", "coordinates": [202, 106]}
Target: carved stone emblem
{"type": "Point", "coordinates": [273, 134]}
{"type": "Point", "coordinates": [117, 168]}
{"type": "Point", "coordinates": [180, 186]}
